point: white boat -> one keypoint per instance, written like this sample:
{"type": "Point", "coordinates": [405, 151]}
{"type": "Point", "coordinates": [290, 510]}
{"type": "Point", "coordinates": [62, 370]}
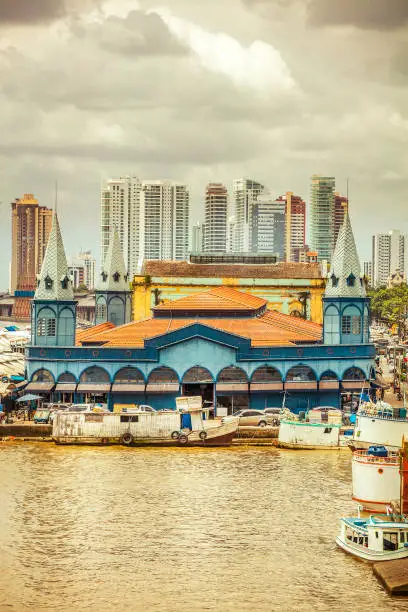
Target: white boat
{"type": "Point", "coordinates": [313, 433]}
{"type": "Point", "coordinates": [380, 538]}
{"type": "Point", "coordinates": [379, 425]}
{"type": "Point", "coordinates": [376, 478]}
{"type": "Point", "coordinates": [182, 427]}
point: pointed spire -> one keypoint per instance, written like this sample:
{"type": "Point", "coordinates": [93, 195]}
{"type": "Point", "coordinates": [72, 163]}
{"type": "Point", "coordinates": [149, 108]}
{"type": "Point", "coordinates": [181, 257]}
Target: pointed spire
{"type": "Point", "coordinates": [113, 274]}
{"type": "Point", "coordinates": [53, 282]}
{"type": "Point", "coordinates": [345, 278]}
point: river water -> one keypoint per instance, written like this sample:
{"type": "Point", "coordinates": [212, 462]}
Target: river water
{"type": "Point", "coordinates": [177, 529]}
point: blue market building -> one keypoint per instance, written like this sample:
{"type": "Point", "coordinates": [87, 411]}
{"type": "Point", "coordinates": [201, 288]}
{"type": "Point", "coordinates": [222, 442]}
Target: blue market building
{"type": "Point", "coordinates": [222, 344]}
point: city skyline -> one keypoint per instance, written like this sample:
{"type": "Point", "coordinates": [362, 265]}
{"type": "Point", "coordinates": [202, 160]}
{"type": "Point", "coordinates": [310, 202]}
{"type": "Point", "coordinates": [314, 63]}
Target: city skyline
{"type": "Point", "coordinates": [272, 109]}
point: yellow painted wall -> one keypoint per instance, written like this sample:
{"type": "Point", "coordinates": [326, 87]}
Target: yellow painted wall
{"type": "Point", "coordinates": [281, 298]}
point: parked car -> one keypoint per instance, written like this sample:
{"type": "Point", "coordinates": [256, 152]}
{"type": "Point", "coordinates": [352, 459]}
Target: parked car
{"type": "Point", "coordinates": [275, 413]}
{"type": "Point", "coordinates": [256, 418]}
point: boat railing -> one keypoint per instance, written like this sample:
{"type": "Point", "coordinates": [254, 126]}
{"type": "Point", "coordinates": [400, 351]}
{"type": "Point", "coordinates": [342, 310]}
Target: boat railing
{"type": "Point", "coordinates": [363, 457]}
{"type": "Point", "coordinates": [387, 416]}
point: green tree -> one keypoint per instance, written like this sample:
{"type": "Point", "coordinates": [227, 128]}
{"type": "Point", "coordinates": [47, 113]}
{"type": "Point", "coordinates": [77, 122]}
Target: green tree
{"type": "Point", "coordinates": [390, 305]}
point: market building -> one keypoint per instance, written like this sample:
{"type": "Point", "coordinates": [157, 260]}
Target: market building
{"type": "Point", "coordinates": [222, 343]}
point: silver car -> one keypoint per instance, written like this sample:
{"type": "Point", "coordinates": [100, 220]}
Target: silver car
{"type": "Point", "coordinates": [254, 418]}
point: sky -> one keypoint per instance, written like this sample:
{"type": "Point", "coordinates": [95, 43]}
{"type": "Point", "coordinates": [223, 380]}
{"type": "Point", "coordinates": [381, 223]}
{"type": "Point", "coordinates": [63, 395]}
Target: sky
{"type": "Point", "coordinates": [199, 91]}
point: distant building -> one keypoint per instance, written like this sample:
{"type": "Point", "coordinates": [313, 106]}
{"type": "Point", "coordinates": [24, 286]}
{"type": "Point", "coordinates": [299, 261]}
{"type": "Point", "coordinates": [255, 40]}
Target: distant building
{"type": "Point", "coordinates": [389, 255]}
{"type": "Point", "coordinates": [231, 234]}
{"type": "Point", "coordinates": [245, 193]}
{"type": "Point", "coordinates": [82, 270]}
{"type": "Point", "coordinates": [197, 238]}
{"type": "Point", "coordinates": [164, 220]}
{"type": "Point", "coordinates": [216, 210]}
{"type": "Point", "coordinates": [339, 211]}
{"type": "Point", "coordinates": [368, 271]}
{"type": "Point", "coordinates": [305, 255]}
{"type": "Point", "coordinates": [322, 215]}
{"type": "Point", "coordinates": [295, 224]}
{"type": "Point", "coordinates": [31, 226]}
{"type": "Point", "coordinates": [120, 209]}
{"type": "Point", "coordinates": [268, 225]}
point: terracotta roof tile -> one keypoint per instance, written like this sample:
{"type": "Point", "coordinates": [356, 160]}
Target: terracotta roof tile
{"type": "Point", "coordinates": [186, 269]}
{"type": "Point", "coordinates": [218, 298]}
{"type": "Point", "coordinates": [82, 335]}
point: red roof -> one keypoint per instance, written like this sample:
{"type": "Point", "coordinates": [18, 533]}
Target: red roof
{"type": "Point", "coordinates": [219, 298]}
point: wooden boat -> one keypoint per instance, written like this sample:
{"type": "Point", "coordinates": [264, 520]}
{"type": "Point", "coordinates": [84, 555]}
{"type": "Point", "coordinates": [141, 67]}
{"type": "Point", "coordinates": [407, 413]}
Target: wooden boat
{"type": "Point", "coordinates": [376, 478]}
{"type": "Point", "coordinates": [185, 426]}
{"type": "Point", "coordinates": [380, 538]}
{"type": "Point", "coordinates": [379, 424]}
{"type": "Point", "coordinates": [313, 433]}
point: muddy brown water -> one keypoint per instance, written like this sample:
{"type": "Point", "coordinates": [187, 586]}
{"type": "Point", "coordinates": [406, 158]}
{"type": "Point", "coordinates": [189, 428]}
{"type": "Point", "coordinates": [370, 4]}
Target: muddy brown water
{"type": "Point", "coordinates": [178, 529]}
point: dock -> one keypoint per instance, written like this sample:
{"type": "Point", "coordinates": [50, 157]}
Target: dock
{"type": "Point", "coordinates": [393, 575]}
{"type": "Point", "coordinates": [25, 430]}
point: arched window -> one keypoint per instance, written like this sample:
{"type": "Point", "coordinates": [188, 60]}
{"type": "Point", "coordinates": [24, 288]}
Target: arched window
{"type": "Point", "coordinates": [232, 374]}
{"type": "Point", "coordinates": [42, 376]}
{"type": "Point", "coordinates": [351, 280]}
{"type": "Point", "coordinates": [163, 375]}
{"type": "Point", "coordinates": [331, 325]}
{"type": "Point", "coordinates": [129, 375]}
{"type": "Point", "coordinates": [46, 323]}
{"type": "Point", "coordinates": [351, 323]}
{"type": "Point", "coordinates": [334, 280]}
{"type": "Point", "coordinates": [328, 375]}
{"type": "Point", "coordinates": [300, 373]}
{"type": "Point", "coordinates": [266, 374]}
{"type": "Point", "coordinates": [116, 277]}
{"type": "Point", "coordinates": [48, 282]}
{"type": "Point", "coordinates": [67, 377]}
{"type": "Point", "coordinates": [116, 311]}
{"type": "Point", "coordinates": [95, 375]}
{"type": "Point", "coordinates": [354, 374]}
{"type": "Point", "coordinates": [66, 327]}
{"type": "Point", "coordinates": [64, 282]}
{"type": "Point", "coordinates": [104, 276]}
{"type": "Point", "coordinates": [198, 375]}
{"type": "Point", "coordinates": [100, 311]}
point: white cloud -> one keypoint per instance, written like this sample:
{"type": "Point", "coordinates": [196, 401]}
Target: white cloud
{"type": "Point", "coordinates": [259, 67]}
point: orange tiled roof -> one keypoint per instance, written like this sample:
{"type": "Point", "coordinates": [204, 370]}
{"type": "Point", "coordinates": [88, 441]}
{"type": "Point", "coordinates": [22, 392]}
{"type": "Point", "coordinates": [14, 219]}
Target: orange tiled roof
{"type": "Point", "coordinates": [186, 269]}
{"type": "Point", "coordinates": [262, 331]}
{"type": "Point", "coordinates": [85, 335]}
{"type": "Point", "coordinates": [218, 298]}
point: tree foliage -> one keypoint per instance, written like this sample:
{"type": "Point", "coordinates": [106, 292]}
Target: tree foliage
{"type": "Point", "coordinates": [389, 305]}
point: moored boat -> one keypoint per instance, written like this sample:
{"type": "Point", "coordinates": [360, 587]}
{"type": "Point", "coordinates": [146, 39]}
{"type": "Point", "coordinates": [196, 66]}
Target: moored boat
{"type": "Point", "coordinates": [185, 426]}
{"type": "Point", "coordinates": [379, 425]}
{"type": "Point", "coordinates": [320, 429]}
{"type": "Point", "coordinates": [379, 538]}
{"type": "Point", "coordinates": [376, 478]}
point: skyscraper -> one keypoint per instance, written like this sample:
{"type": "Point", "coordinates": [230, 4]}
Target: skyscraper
{"type": "Point", "coordinates": [31, 226]}
{"type": "Point", "coordinates": [164, 220]}
{"type": "Point", "coordinates": [389, 255]}
{"type": "Point", "coordinates": [120, 209]}
{"type": "Point", "coordinates": [339, 211]}
{"type": "Point", "coordinates": [197, 238]}
{"type": "Point", "coordinates": [268, 225]}
{"type": "Point", "coordinates": [245, 193]}
{"type": "Point", "coordinates": [82, 270]}
{"type": "Point", "coordinates": [321, 216]}
{"type": "Point", "coordinates": [295, 225]}
{"type": "Point", "coordinates": [216, 210]}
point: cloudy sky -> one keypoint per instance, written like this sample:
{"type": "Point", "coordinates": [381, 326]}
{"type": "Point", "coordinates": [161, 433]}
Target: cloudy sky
{"type": "Point", "coordinates": [203, 90]}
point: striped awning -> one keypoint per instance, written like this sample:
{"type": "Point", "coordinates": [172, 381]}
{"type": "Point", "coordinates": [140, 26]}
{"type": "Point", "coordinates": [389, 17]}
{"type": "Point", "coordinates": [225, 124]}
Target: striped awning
{"type": "Point", "coordinates": [91, 387]}
{"type": "Point", "coordinates": [232, 387]}
{"type": "Point", "coordinates": [39, 386]}
{"type": "Point", "coordinates": [128, 388]}
{"type": "Point", "coordinates": [304, 385]}
{"type": "Point", "coordinates": [329, 384]}
{"type": "Point", "coordinates": [265, 386]}
{"type": "Point", "coordinates": [68, 387]}
{"type": "Point", "coordinates": [354, 385]}
{"type": "Point", "coordinates": [162, 387]}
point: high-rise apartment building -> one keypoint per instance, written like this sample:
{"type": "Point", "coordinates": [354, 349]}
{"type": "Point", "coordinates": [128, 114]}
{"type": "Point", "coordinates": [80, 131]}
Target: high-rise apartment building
{"type": "Point", "coordinates": [197, 238]}
{"type": "Point", "coordinates": [245, 193]}
{"type": "Point", "coordinates": [322, 216]}
{"type": "Point", "coordinates": [164, 220]}
{"type": "Point", "coordinates": [339, 210]}
{"type": "Point", "coordinates": [82, 270]}
{"type": "Point", "coordinates": [389, 255]}
{"type": "Point", "coordinates": [216, 211]}
{"type": "Point", "coordinates": [295, 225]}
{"type": "Point", "coordinates": [368, 271]}
{"type": "Point", "coordinates": [120, 209]}
{"type": "Point", "coordinates": [268, 226]}
{"type": "Point", "coordinates": [31, 226]}
{"type": "Point", "coordinates": [231, 234]}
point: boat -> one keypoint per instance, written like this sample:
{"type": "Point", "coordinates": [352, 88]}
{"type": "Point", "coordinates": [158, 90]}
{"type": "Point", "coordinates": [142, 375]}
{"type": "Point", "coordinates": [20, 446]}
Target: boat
{"type": "Point", "coordinates": [376, 538]}
{"type": "Point", "coordinates": [379, 424]}
{"type": "Point", "coordinates": [185, 426]}
{"type": "Point", "coordinates": [376, 478]}
{"type": "Point", "coordinates": [319, 429]}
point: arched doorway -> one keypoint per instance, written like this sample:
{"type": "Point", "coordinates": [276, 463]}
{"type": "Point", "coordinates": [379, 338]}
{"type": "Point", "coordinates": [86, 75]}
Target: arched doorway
{"type": "Point", "coordinates": [199, 381]}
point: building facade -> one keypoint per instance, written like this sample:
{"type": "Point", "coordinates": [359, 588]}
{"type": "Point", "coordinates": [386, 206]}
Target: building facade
{"type": "Point", "coordinates": [389, 255]}
{"type": "Point", "coordinates": [268, 226]}
{"type": "Point", "coordinates": [216, 210]}
{"type": "Point", "coordinates": [223, 344]}
{"type": "Point", "coordinates": [31, 226]}
{"type": "Point", "coordinates": [322, 215]}
{"type": "Point", "coordinates": [245, 193]}
{"type": "Point", "coordinates": [82, 270]}
{"type": "Point", "coordinates": [197, 237]}
{"type": "Point", "coordinates": [339, 211]}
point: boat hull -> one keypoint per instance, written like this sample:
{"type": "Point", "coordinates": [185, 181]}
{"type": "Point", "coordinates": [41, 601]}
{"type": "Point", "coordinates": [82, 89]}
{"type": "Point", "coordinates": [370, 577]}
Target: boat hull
{"type": "Point", "coordinates": [376, 481]}
{"type": "Point", "coordinates": [373, 430]}
{"type": "Point", "coordinates": [371, 556]}
{"type": "Point", "coordinates": [311, 436]}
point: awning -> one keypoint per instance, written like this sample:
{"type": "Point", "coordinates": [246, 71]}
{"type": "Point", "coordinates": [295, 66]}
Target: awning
{"type": "Point", "coordinates": [232, 387]}
{"type": "Point", "coordinates": [162, 388]}
{"type": "Point", "coordinates": [354, 385]}
{"type": "Point", "coordinates": [271, 386]}
{"type": "Point", "coordinates": [95, 388]}
{"type": "Point", "coordinates": [305, 385]}
{"type": "Point", "coordinates": [39, 386]}
{"type": "Point", "coordinates": [68, 387]}
{"type": "Point", "coordinates": [329, 384]}
{"type": "Point", "coordinates": [128, 388]}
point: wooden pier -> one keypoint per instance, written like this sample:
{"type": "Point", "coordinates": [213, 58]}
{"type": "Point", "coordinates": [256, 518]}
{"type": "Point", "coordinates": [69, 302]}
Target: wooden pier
{"type": "Point", "coordinates": [393, 575]}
